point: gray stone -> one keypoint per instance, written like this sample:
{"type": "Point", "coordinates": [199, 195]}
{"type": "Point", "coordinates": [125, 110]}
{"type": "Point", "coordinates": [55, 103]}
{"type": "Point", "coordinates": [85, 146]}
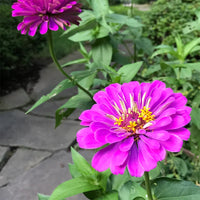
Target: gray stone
{"type": "Point", "coordinates": [43, 178]}
{"type": "Point", "coordinates": [18, 129]}
{"type": "Point", "coordinates": [3, 151]}
{"type": "Point", "coordinates": [21, 161]}
{"type": "Point", "coordinates": [3, 182]}
{"type": "Point", "coordinates": [13, 100]}
{"type": "Point", "coordinates": [51, 76]}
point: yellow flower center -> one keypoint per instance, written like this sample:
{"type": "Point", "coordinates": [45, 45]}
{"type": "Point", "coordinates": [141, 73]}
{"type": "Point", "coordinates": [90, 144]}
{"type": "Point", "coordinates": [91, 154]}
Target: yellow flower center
{"type": "Point", "coordinates": [134, 120]}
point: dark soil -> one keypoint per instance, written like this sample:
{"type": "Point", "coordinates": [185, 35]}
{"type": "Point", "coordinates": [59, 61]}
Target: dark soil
{"type": "Point", "coordinates": [24, 78]}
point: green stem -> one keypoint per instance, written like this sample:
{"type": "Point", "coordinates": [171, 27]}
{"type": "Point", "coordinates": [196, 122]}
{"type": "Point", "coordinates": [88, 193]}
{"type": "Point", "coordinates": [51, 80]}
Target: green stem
{"type": "Point", "coordinates": [53, 56]}
{"type": "Point", "coordinates": [148, 186]}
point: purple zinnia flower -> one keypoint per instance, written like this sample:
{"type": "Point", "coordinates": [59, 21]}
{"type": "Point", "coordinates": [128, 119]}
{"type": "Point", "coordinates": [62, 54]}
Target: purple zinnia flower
{"type": "Point", "coordinates": [138, 123]}
{"type": "Point", "coordinates": [49, 14]}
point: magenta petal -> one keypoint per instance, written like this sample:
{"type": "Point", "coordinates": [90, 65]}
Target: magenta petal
{"type": "Point", "coordinates": [147, 161]}
{"type": "Point", "coordinates": [183, 133]}
{"type": "Point", "coordinates": [100, 135]}
{"type": "Point", "coordinates": [98, 125]}
{"type": "Point", "coordinates": [173, 144]}
{"type": "Point", "coordinates": [178, 121]}
{"type": "Point", "coordinates": [52, 24]}
{"type": "Point", "coordinates": [118, 169]}
{"type": "Point", "coordinates": [158, 154]}
{"type": "Point", "coordinates": [44, 27]}
{"type": "Point", "coordinates": [134, 166]}
{"type": "Point", "coordinates": [161, 122]}
{"type": "Point", "coordinates": [126, 144]}
{"type": "Point", "coordinates": [159, 135]}
{"type": "Point", "coordinates": [151, 143]}
{"type": "Point", "coordinates": [102, 159]}
{"type": "Point", "coordinates": [119, 157]}
{"type": "Point", "coordinates": [86, 140]}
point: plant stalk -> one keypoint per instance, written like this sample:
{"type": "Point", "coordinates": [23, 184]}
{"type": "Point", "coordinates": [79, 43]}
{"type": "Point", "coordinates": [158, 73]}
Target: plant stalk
{"type": "Point", "coordinates": [148, 186]}
{"type": "Point", "coordinates": [53, 56]}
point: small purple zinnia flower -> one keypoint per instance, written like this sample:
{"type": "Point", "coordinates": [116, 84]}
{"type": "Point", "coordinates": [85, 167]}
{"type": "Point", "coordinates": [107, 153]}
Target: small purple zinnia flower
{"type": "Point", "coordinates": [48, 14]}
{"type": "Point", "coordinates": [138, 123]}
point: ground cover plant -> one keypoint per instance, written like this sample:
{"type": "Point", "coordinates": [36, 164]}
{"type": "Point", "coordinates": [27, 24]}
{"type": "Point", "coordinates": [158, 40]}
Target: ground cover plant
{"type": "Point", "coordinates": [139, 104]}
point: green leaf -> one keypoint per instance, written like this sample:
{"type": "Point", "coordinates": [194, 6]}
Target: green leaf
{"type": "Point", "coordinates": [87, 82]}
{"type": "Point", "coordinates": [102, 52]}
{"type": "Point", "coordinates": [186, 73]}
{"type": "Point", "coordinates": [43, 197]}
{"type": "Point", "coordinates": [129, 71]}
{"type": "Point", "coordinates": [78, 61]}
{"type": "Point", "coordinates": [123, 19]}
{"type": "Point", "coordinates": [82, 165]}
{"type": "Point", "coordinates": [72, 187]}
{"type": "Point", "coordinates": [59, 88]}
{"type": "Point", "coordinates": [79, 75]}
{"type": "Point", "coordinates": [180, 165]}
{"type": "Point", "coordinates": [131, 190]}
{"type": "Point", "coordinates": [85, 35]}
{"type": "Point", "coordinates": [109, 196]}
{"type": "Point", "coordinates": [151, 69]}
{"type": "Point", "coordinates": [73, 171]}
{"type": "Point", "coordinates": [100, 7]}
{"type": "Point", "coordinates": [88, 22]}
{"type": "Point", "coordinates": [193, 66]}
{"type": "Point", "coordinates": [196, 101]}
{"type": "Point", "coordinates": [164, 51]}
{"type": "Point", "coordinates": [190, 46]}
{"type": "Point", "coordinates": [82, 101]}
{"type": "Point", "coordinates": [171, 189]}
{"type": "Point", "coordinates": [195, 115]}
{"type": "Point", "coordinates": [60, 114]}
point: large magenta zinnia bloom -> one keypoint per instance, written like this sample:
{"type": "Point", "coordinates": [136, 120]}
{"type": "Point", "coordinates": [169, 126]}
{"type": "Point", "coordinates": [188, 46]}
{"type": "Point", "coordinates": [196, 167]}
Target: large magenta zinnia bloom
{"type": "Point", "coordinates": [48, 14]}
{"type": "Point", "coordinates": [138, 122]}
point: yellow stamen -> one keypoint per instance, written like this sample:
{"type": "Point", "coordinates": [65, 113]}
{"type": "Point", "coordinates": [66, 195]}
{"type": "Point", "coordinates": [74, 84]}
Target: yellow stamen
{"type": "Point", "coordinates": [118, 121]}
{"type": "Point", "coordinates": [146, 115]}
{"type": "Point", "coordinates": [132, 125]}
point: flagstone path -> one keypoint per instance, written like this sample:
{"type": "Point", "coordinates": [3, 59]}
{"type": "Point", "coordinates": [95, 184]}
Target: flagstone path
{"type": "Point", "coordinates": [34, 155]}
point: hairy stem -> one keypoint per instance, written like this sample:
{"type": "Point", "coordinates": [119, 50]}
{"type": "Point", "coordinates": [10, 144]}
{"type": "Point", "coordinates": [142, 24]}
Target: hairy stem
{"type": "Point", "coordinates": [53, 56]}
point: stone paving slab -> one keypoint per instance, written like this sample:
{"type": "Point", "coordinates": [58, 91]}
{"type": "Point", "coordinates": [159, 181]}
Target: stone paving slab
{"type": "Point", "coordinates": [18, 129]}
{"type": "Point", "coordinates": [3, 151]}
{"type": "Point", "coordinates": [21, 161]}
{"type": "Point", "coordinates": [42, 178]}
{"type": "Point", "coordinates": [51, 76]}
{"type": "Point", "coordinates": [15, 99]}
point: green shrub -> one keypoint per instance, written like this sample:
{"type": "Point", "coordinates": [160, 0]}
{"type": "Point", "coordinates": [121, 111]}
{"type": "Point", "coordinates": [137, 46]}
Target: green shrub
{"type": "Point", "coordinates": [167, 19]}
{"type": "Point", "coordinates": [16, 51]}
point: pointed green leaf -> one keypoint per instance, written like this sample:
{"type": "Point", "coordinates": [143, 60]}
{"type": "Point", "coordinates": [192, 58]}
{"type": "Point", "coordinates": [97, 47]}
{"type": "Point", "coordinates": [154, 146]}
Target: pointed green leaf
{"type": "Point", "coordinates": [59, 88]}
{"type": "Point", "coordinates": [78, 61]}
{"type": "Point", "coordinates": [60, 114]}
{"type": "Point", "coordinates": [131, 190]}
{"type": "Point", "coordinates": [73, 187]}
{"type": "Point", "coordinates": [82, 165]}
{"type": "Point", "coordinates": [88, 22]}
{"type": "Point", "coordinates": [171, 189]}
{"type": "Point", "coordinates": [195, 115]}
{"type": "Point", "coordinates": [100, 7]}
{"type": "Point", "coordinates": [102, 52]}
{"type": "Point", "coordinates": [123, 19]}
{"type": "Point", "coordinates": [190, 46]}
{"type": "Point", "coordinates": [43, 197]}
{"type": "Point", "coordinates": [109, 196]}
{"type": "Point", "coordinates": [129, 71]}
{"type": "Point", "coordinates": [82, 101]}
